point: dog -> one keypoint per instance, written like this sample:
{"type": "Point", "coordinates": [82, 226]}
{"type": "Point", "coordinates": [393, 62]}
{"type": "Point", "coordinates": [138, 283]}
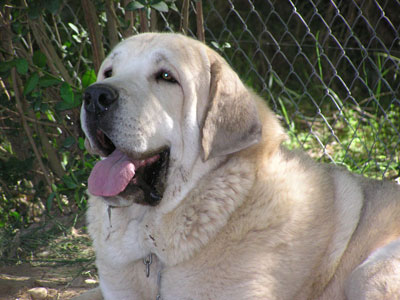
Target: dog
{"type": "Point", "coordinates": [196, 198]}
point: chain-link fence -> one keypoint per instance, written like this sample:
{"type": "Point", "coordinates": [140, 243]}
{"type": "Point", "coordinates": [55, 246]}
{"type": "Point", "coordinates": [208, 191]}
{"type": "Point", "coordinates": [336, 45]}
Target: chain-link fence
{"type": "Point", "coordinates": [330, 69]}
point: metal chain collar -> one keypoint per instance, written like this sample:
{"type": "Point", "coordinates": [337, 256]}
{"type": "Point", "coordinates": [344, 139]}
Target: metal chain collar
{"type": "Point", "coordinates": [148, 260]}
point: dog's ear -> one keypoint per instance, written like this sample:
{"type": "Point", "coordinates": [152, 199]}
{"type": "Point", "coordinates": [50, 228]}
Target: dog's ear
{"type": "Point", "coordinates": [231, 122]}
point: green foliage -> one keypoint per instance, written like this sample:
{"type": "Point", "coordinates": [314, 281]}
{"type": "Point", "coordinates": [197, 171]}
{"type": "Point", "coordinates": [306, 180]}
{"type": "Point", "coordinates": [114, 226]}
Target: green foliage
{"type": "Point", "coordinates": [48, 62]}
{"type": "Point", "coordinates": [70, 100]}
{"type": "Point", "coordinates": [21, 65]}
{"type": "Point", "coordinates": [51, 104]}
{"type": "Point", "coordinates": [88, 78]}
{"type": "Point", "coordinates": [158, 5]}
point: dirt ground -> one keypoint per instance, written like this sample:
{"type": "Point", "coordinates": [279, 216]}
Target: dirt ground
{"type": "Point", "coordinates": [56, 256]}
{"type": "Point", "coordinates": [60, 282]}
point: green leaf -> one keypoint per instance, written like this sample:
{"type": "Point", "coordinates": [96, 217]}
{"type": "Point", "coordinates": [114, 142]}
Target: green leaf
{"type": "Point", "coordinates": [52, 6]}
{"type": "Point", "coordinates": [81, 143]}
{"type": "Point", "coordinates": [66, 93]}
{"type": "Point", "coordinates": [134, 5]}
{"type": "Point", "coordinates": [31, 83]}
{"type": "Point", "coordinates": [49, 202]}
{"type": "Point", "coordinates": [54, 188]}
{"type": "Point", "coordinates": [22, 66]}
{"type": "Point", "coordinates": [5, 66]}
{"type": "Point", "coordinates": [160, 6]}
{"type": "Point", "coordinates": [77, 38]}
{"type": "Point", "coordinates": [39, 59]}
{"type": "Point", "coordinates": [61, 106]}
{"type": "Point", "coordinates": [69, 182]}
{"type": "Point", "coordinates": [67, 44]}
{"type": "Point", "coordinates": [50, 116]}
{"type": "Point", "coordinates": [88, 78]}
{"type": "Point", "coordinates": [174, 7]}
{"type": "Point", "coordinates": [68, 142]}
{"type": "Point", "coordinates": [47, 81]}
{"type": "Point", "coordinates": [15, 215]}
{"type": "Point", "coordinates": [17, 27]}
{"type": "Point", "coordinates": [34, 10]}
{"type": "Point", "coordinates": [145, 3]}
{"type": "Point", "coordinates": [44, 107]}
{"type": "Point", "coordinates": [74, 28]}
{"type": "Point", "coordinates": [37, 104]}
{"type": "Point", "coordinates": [70, 100]}
{"type": "Point", "coordinates": [215, 44]}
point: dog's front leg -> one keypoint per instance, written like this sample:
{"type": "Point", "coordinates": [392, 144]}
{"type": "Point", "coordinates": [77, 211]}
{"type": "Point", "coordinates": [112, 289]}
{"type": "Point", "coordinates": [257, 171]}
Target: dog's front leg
{"type": "Point", "coordinates": [378, 277]}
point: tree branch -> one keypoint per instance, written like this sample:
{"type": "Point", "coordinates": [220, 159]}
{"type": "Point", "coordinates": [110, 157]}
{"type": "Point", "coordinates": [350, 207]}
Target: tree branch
{"type": "Point", "coordinates": [200, 21]}
{"type": "Point", "coordinates": [144, 24]}
{"type": "Point", "coordinates": [27, 130]}
{"type": "Point", "coordinates": [95, 35]}
{"type": "Point", "coordinates": [112, 24]}
{"type": "Point", "coordinates": [185, 17]}
{"type": "Point", "coordinates": [153, 20]}
{"type": "Point", "coordinates": [130, 19]}
{"type": "Point", "coordinates": [55, 63]}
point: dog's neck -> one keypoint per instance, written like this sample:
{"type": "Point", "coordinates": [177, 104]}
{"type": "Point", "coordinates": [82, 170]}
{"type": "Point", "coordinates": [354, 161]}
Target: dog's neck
{"type": "Point", "coordinates": [182, 179]}
{"type": "Point", "coordinates": [216, 195]}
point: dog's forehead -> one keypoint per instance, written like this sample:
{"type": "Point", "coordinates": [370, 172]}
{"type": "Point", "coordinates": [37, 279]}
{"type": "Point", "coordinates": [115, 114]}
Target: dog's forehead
{"type": "Point", "coordinates": [144, 46]}
{"type": "Point", "coordinates": [152, 48]}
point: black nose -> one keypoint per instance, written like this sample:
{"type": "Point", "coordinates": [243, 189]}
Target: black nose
{"type": "Point", "coordinates": [98, 98]}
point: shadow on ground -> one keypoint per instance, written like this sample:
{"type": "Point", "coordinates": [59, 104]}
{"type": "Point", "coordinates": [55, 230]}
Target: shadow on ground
{"type": "Point", "coordinates": [54, 260]}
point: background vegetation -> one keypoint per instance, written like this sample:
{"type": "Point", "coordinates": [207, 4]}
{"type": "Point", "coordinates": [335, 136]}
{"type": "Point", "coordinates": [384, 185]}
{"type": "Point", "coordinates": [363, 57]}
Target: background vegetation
{"type": "Point", "coordinates": [333, 78]}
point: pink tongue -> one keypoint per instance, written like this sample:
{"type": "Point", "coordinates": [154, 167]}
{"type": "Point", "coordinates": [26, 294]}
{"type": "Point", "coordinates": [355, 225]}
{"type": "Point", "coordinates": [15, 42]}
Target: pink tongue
{"type": "Point", "coordinates": [110, 176]}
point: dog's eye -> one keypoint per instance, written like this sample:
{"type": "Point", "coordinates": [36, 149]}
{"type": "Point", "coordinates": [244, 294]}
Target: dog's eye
{"type": "Point", "coordinates": [166, 76]}
{"type": "Point", "coordinates": [107, 73]}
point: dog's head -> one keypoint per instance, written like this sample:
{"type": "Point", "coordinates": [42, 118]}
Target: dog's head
{"type": "Point", "coordinates": [163, 108]}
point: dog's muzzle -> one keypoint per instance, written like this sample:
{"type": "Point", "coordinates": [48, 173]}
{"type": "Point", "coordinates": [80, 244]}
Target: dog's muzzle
{"type": "Point", "coordinates": [119, 179]}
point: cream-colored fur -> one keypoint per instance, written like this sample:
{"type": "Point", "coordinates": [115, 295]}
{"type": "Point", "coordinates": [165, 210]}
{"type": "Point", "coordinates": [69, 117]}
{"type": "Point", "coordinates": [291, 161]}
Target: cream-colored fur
{"type": "Point", "coordinates": [241, 217]}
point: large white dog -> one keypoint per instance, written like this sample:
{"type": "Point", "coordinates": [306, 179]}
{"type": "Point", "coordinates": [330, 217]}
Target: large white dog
{"type": "Point", "coordinates": [197, 199]}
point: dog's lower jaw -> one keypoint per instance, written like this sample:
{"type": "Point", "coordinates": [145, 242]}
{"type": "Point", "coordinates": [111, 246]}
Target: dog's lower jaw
{"type": "Point", "coordinates": [138, 194]}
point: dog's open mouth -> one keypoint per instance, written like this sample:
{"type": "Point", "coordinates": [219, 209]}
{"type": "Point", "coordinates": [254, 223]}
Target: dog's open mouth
{"type": "Point", "coordinates": [121, 180]}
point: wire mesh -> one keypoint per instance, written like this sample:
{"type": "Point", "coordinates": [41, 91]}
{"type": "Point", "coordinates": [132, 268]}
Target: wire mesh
{"type": "Point", "coordinates": [330, 69]}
